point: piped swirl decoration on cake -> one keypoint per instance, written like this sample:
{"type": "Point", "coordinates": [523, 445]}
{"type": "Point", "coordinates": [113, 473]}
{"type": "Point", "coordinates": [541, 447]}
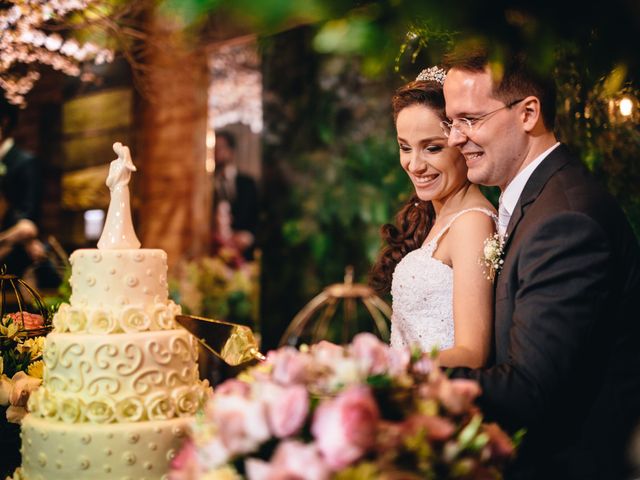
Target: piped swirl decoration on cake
{"type": "Point", "coordinates": [133, 377]}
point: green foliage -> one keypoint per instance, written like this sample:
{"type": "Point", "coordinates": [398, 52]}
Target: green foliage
{"type": "Point", "coordinates": [589, 121]}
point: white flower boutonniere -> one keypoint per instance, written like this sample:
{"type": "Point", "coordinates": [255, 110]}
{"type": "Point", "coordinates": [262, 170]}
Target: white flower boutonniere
{"type": "Point", "coordinates": [492, 255]}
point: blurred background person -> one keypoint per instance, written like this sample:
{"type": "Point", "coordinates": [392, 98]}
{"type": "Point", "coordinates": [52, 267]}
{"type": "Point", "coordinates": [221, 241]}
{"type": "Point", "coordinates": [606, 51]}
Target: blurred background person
{"type": "Point", "coordinates": [20, 187]}
{"type": "Point", "coordinates": [239, 190]}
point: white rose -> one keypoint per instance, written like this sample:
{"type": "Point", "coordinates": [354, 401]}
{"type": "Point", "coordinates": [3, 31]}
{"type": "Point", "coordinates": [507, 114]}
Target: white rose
{"type": "Point", "coordinates": [60, 318]}
{"type": "Point", "coordinates": [129, 410]}
{"type": "Point", "coordinates": [186, 400]}
{"type": "Point", "coordinates": [76, 320]}
{"type": "Point", "coordinates": [70, 410]}
{"type": "Point", "coordinates": [160, 407]}
{"type": "Point", "coordinates": [45, 404]}
{"type": "Point", "coordinates": [163, 316]}
{"type": "Point", "coordinates": [100, 411]}
{"type": "Point", "coordinates": [101, 322]}
{"type": "Point", "coordinates": [135, 320]}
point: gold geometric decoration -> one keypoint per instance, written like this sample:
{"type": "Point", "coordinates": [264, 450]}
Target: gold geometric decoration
{"type": "Point", "coordinates": [338, 313]}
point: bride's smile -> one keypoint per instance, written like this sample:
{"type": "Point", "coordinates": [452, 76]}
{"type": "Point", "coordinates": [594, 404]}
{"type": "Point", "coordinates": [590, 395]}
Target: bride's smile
{"type": "Point", "coordinates": [436, 170]}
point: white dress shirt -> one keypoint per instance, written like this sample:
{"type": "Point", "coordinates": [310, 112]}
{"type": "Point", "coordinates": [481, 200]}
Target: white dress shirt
{"type": "Point", "coordinates": [510, 196]}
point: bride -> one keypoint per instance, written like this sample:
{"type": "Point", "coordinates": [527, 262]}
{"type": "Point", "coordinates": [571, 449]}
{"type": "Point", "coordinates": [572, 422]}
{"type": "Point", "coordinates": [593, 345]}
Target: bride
{"type": "Point", "coordinates": [431, 261]}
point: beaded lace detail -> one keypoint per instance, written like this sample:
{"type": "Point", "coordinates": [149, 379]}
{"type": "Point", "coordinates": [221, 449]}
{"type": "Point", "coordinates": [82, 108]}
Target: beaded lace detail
{"type": "Point", "coordinates": [422, 294]}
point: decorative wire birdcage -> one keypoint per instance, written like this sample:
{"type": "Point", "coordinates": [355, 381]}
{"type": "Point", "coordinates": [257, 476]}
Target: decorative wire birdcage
{"type": "Point", "coordinates": [13, 285]}
{"type": "Point", "coordinates": [362, 310]}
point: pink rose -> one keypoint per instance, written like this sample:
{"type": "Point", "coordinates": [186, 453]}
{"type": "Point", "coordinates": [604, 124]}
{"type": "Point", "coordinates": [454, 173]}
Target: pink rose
{"type": "Point", "coordinates": [327, 353]}
{"type": "Point", "coordinates": [287, 408]}
{"type": "Point", "coordinates": [499, 442]}
{"type": "Point", "coordinates": [291, 460]}
{"type": "Point", "coordinates": [437, 428]}
{"type": "Point", "coordinates": [23, 386]}
{"type": "Point", "coordinates": [370, 353]}
{"type": "Point", "coordinates": [184, 466]}
{"type": "Point", "coordinates": [242, 422]}
{"type": "Point", "coordinates": [233, 387]}
{"type": "Point", "coordinates": [399, 359]}
{"type": "Point", "coordinates": [289, 366]}
{"type": "Point", "coordinates": [345, 427]}
{"type": "Point", "coordinates": [424, 366]}
{"type": "Point", "coordinates": [28, 321]}
{"type": "Point", "coordinates": [458, 395]}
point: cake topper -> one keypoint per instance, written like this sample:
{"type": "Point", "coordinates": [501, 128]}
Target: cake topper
{"type": "Point", "coordinates": [118, 232]}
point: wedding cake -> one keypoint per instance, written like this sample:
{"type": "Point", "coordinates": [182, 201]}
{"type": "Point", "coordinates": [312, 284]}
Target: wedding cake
{"type": "Point", "coordinates": [121, 381]}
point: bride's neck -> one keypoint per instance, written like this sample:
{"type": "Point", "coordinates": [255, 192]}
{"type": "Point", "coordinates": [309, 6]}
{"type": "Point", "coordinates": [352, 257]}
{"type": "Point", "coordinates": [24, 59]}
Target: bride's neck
{"type": "Point", "coordinates": [451, 203]}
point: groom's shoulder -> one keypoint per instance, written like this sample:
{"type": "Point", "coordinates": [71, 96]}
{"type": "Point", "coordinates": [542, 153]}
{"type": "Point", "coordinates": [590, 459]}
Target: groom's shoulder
{"type": "Point", "coordinates": [572, 188]}
{"type": "Point", "coordinates": [575, 187]}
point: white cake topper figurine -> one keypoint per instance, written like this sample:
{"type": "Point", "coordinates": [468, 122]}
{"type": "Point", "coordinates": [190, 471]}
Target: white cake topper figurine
{"type": "Point", "coordinates": [118, 232]}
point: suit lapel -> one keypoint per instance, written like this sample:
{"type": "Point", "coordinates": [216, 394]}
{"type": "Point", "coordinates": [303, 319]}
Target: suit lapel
{"type": "Point", "coordinates": [550, 165]}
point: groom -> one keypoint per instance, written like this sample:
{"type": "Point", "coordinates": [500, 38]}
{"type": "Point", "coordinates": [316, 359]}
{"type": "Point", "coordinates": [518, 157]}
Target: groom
{"type": "Point", "coordinates": [567, 300]}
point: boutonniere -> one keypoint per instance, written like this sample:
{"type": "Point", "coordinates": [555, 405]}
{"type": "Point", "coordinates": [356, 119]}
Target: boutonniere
{"type": "Point", "coordinates": [492, 255]}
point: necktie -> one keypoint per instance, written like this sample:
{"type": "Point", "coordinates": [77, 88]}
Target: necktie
{"type": "Point", "coordinates": [503, 218]}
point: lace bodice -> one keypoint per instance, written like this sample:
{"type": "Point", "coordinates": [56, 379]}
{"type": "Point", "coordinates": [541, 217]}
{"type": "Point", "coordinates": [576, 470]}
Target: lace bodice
{"type": "Point", "coordinates": [422, 294]}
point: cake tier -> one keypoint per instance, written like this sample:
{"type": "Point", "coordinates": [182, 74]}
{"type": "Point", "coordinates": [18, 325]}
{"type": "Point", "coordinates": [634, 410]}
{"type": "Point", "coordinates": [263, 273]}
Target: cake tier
{"type": "Point", "coordinates": [111, 279]}
{"type": "Point", "coordinates": [119, 378]}
{"type": "Point", "coordinates": [53, 450]}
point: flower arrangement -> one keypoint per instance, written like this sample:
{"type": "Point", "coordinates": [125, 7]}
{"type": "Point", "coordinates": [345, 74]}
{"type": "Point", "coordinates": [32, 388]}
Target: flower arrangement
{"type": "Point", "coordinates": [21, 366]}
{"type": "Point", "coordinates": [362, 411]}
{"type": "Point", "coordinates": [222, 287]}
{"type": "Point", "coordinates": [492, 254]}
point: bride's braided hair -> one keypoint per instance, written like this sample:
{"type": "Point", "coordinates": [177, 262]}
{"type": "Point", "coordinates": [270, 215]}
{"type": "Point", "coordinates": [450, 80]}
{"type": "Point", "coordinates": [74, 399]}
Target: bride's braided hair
{"type": "Point", "coordinates": [415, 219]}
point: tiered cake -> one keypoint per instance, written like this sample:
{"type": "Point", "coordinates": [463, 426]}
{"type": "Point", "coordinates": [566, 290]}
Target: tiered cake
{"type": "Point", "coordinates": [121, 381]}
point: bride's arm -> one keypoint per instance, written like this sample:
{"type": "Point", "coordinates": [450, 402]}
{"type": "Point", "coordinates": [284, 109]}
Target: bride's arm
{"type": "Point", "coordinates": [472, 292]}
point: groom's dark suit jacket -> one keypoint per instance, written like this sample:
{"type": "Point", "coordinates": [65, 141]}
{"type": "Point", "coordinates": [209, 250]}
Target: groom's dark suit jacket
{"type": "Point", "coordinates": [567, 328]}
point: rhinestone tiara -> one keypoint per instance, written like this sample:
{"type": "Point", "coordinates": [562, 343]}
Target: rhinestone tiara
{"type": "Point", "coordinates": [433, 74]}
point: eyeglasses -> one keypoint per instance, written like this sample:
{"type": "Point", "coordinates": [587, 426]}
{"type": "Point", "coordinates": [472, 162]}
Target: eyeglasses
{"type": "Point", "coordinates": [465, 125]}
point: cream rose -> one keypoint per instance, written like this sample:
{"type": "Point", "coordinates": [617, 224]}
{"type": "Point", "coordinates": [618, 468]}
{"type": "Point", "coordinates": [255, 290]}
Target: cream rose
{"type": "Point", "coordinates": [45, 403]}
{"type": "Point", "coordinates": [100, 411]}
{"type": "Point", "coordinates": [163, 316]}
{"type": "Point", "coordinates": [70, 410]}
{"type": "Point", "coordinates": [76, 320]}
{"type": "Point", "coordinates": [160, 407]}
{"type": "Point", "coordinates": [129, 410]}
{"type": "Point", "coordinates": [186, 400]}
{"type": "Point", "coordinates": [101, 322]}
{"type": "Point", "coordinates": [60, 318]}
{"type": "Point", "coordinates": [135, 320]}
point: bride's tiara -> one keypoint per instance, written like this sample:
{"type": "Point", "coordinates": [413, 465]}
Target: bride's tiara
{"type": "Point", "coordinates": [433, 74]}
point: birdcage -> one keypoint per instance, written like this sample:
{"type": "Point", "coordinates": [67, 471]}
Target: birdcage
{"type": "Point", "coordinates": [18, 298]}
{"type": "Point", "coordinates": [338, 313]}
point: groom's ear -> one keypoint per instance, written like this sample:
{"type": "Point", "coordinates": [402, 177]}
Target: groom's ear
{"type": "Point", "coordinates": [531, 114]}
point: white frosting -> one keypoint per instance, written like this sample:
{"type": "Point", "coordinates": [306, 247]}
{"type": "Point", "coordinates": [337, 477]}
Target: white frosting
{"type": "Point", "coordinates": [119, 378]}
{"type": "Point", "coordinates": [53, 450]}
{"type": "Point", "coordinates": [154, 316]}
{"type": "Point", "coordinates": [114, 280]}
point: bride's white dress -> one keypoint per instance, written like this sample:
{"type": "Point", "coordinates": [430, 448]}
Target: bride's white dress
{"type": "Point", "coordinates": [422, 295]}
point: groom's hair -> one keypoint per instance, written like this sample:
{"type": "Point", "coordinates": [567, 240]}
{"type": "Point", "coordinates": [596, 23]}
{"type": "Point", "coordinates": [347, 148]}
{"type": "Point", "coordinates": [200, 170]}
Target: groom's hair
{"type": "Point", "coordinates": [513, 78]}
